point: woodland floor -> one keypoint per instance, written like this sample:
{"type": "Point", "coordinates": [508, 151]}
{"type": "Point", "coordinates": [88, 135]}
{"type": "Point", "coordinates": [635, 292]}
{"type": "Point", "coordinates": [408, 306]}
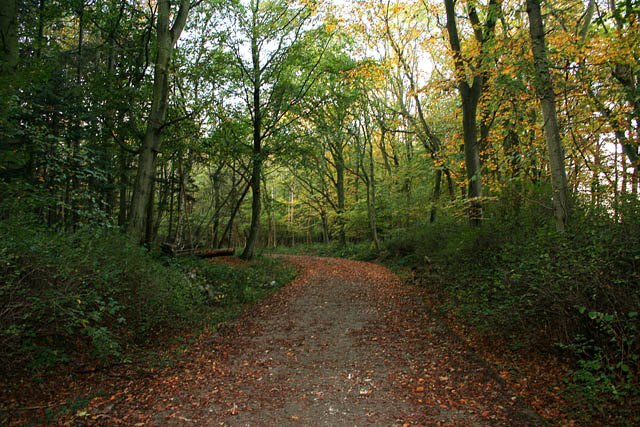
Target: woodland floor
{"type": "Point", "coordinates": [345, 344]}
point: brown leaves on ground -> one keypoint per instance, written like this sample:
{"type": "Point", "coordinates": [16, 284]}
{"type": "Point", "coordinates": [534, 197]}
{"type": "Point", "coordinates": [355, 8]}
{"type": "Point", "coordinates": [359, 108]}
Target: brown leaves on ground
{"type": "Point", "coordinates": [344, 344]}
{"type": "Point", "coordinates": [534, 376]}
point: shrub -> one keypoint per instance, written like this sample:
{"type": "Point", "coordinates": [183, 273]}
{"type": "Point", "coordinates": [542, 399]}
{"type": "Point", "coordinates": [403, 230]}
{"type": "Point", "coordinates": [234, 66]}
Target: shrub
{"type": "Point", "coordinates": [94, 292]}
{"type": "Point", "coordinates": [517, 279]}
{"type": "Point", "coordinates": [81, 291]}
{"type": "Point", "coordinates": [222, 285]}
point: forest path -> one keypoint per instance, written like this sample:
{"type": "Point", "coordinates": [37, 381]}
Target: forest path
{"type": "Point", "coordinates": [345, 344]}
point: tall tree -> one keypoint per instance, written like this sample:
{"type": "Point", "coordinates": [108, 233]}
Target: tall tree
{"type": "Point", "coordinates": [335, 94]}
{"type": "Point", "coordinates": [627, 72]}
{"type": "Point", "coordinates": [167, 36]}
{"type": "Point", "coordinates": [273, 33]}
{"type": "Point", "coordinates": [470, 93]}
{"type": "Point", "coordinates": [544, 90]}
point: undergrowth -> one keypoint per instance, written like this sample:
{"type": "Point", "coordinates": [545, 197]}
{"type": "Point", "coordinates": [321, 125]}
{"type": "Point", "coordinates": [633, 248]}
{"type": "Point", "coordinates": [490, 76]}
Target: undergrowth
{"type": "Point", "coordinates": [362, 251]}
{"type": "Point", "coordinates": [93, 295]}
{"type": "Point", "coordinates": [517, 280]}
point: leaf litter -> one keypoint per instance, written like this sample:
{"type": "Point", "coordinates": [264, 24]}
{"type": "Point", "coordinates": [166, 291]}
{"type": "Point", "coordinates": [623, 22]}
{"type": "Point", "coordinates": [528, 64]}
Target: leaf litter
{"type": "Point", "coordinates": [346, 343]}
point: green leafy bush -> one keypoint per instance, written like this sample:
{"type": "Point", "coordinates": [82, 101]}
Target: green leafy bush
{"type": "Point", "coordinates": [80, 292]}
{"type": "Point", "coordinates": [95, 293]}
{"type": "Point", "coordinates": [517, 279]}
{"type": "Point", "coordinates": [222, 285]}
{"type": "Point", "coordinates": [363, 251]}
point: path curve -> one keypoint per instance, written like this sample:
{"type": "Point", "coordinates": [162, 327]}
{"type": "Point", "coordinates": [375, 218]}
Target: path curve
{"type": "Point", "coordinates": [345, 344]}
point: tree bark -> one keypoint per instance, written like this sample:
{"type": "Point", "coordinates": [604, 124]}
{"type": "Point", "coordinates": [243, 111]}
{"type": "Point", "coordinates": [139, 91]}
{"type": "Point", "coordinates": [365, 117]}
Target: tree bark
{"type": "Point", "coordinates": [470, 96]}
{"type": "Point", "coordinates": [436, 195]}
{"type": "Point", "coordinates": [8, 37]}
{"type": "Point", "coordinates": [216, 219]}
{"type": "Point", "coordinates": [273, 217]}
{"type": "Point", "coordinates": [339, 162]}
{"type": "Point", "coordinates": [163, 195]}
{"type": "Point", "coordinates": [257, 143]}
{"type": "Point", "coordinates": [215, 252]}
{"type": "Point", "coordinates": [172, 196]}
{"type": "Point", "coordinates": [228, 231]}
{"type": "Point", "coordinates": [148, 229]}
{"type": "Point", "coordinates": [291, 217]}
{"type": "Point", "coordinates": [325, 227]}
{"type": "Point", "coordinates": [151, 144]}
{"type": "Point", "coordinates": [182, 203]}
{"type": "Point", "coordinates": [544, 89]}
{"type": "Point", "coordinates": [372, 199]}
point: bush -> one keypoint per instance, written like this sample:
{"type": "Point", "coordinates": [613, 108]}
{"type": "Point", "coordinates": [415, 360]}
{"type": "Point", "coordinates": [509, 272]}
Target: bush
{"type": "Point", "coordinates": [222, 285]}
{"type": "Point", "coordinates": [95, 292]}
{"type": "Point", "coordinates": [517, 279]}
{"type": "Point", "coordinates": [80, 292]}
{"type": "Point", "coordinates": [364, 251]}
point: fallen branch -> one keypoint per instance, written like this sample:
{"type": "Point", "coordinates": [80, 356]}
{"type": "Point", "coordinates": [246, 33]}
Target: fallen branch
{"type": "Point", "coordinates": [216, 252]}
{"type": "Point", "coordinates": [202, 253]}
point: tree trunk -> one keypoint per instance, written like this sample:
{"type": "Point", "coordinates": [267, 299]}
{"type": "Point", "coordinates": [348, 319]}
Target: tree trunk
{"type": "Point", "coordinates": [273, 217]}
{"type": "Point", "coordinates": [291, 217]}
{"type": "Point", "coordinates": [325, 227]}
{"type": "Point", "coordinates": [257, 141]}
{"type": "Point", "coordinates": [182, 204]}
{"type": "Point", "coordinates": [544, 89]}
{"type": "Point", "coordinates": [216, 219]}
{"type": "Point", "coordinates": [339, 161]}
{"type": "Point", "coordinates": [372, 201]}
{"type": "Point", "coordinates": [228, 231]}
{"type": "Point", "coordinates": [623, 161]}
{"type": "Point", "coordinates": [8, 37]}
{"type": "Point", "coordinates": [255, 205]}
{"type": "Point", "coordinates": [151, 143]}
{"type": "Point", "coordinates": [148, 229]}
{"type": "Point", "coordinates": [450, 185]}
{"type": "Point", "coordinates": [163, 194]}
{"type": "Point", "coordinates": [436, 195]}
{"type": "Point", "coordinates": [470, 95]}
{"type": "Point", "coordinates": [172, 196]}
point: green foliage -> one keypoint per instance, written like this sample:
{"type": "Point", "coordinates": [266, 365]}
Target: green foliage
{"type": "Point", "coordinates": [222, 285]}
{"type": "Point", "coordinates": [410, 247]}
{"type": "Point", "coordinates": [94, 292]}
{"type": "Point", "coordinates": [604, 372]}
{"type": "Point", "coordinates": [76, 292]}
{"type": "Point", "coordinates": [364, 251]}
{"type": "Point", "coordinates": [517, 279]}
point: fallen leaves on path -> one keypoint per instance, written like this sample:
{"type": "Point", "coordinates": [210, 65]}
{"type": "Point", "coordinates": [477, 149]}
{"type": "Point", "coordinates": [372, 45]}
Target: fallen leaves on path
{"type": "Point", "coordinates": [345, 343]}
{"type": "Point", "coordinates": [536, 377]}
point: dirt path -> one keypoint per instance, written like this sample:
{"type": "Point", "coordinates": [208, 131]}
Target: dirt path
{"type": "Point", "coordinates": [344, 345]}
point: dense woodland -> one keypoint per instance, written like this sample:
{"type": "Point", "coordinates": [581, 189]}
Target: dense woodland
{"type": "Point", "coordinates": [492, 146]}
